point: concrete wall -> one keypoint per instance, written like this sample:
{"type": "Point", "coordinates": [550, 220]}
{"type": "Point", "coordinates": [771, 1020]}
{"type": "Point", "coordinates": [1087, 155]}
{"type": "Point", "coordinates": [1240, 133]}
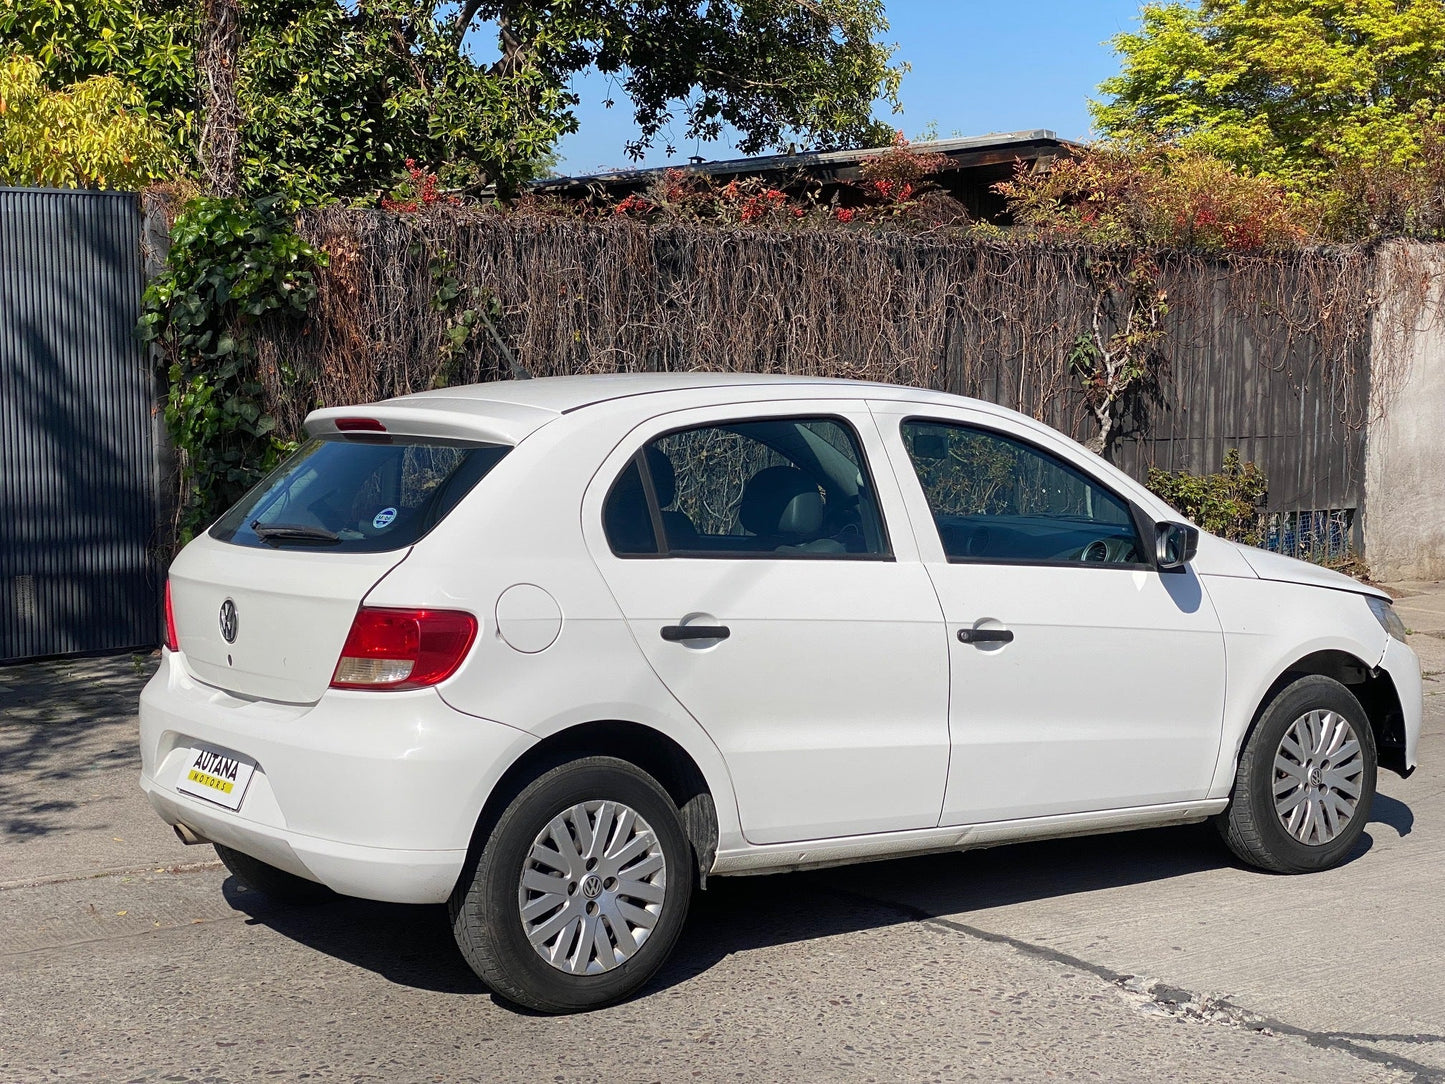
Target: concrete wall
{"type": "Point", "coordinates": [1404, 528]}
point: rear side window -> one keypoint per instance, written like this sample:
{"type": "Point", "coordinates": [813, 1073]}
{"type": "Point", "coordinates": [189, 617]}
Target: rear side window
{"type": "Point", "coordinates": [347, 495]}
{"type": "Point", "coordinates": [777, 487]}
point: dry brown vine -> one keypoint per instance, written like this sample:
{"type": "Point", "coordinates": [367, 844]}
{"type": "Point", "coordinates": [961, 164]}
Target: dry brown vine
{"type": "Point", "coordinates": [994, 319]}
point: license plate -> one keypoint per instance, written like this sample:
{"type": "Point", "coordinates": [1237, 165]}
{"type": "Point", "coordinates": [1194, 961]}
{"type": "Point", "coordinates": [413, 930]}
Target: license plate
{"type": "Point", "coordinates": [216, 775]}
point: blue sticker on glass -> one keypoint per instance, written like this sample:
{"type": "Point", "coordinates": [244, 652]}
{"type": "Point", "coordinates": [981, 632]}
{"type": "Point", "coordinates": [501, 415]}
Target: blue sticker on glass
{"type": "Point", "coordinates": [383, 518]}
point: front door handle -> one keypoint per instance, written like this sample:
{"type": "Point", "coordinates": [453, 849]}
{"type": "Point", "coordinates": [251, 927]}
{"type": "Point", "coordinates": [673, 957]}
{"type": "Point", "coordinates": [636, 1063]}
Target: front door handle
{"type": "Point", "coordinates": [676, 633]}
{"type": "Point", "coordinates": [985, 636]}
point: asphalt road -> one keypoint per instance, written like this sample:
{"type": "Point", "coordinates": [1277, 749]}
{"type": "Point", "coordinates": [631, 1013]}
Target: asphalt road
{"type": "Point", "coordinates": [126, 956]}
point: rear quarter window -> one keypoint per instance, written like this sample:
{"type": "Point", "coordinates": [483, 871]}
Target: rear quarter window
{"type": "Point", "coordinates": [357, 495]}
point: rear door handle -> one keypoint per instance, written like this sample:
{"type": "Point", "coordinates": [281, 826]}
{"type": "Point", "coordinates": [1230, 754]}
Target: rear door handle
{"type": "Point", "coordinates": [675, 633]}
{"type": "Point", "coordinates": [985, 636]}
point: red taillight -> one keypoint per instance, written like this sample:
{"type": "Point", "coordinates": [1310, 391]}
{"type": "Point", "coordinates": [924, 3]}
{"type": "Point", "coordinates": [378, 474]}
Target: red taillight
{"type": "Point", "coordinates": [172, 640]}
{"type": "Point", "coordinates": [403, 649]}
{"type": "Point", "coordinates": [359, 425]}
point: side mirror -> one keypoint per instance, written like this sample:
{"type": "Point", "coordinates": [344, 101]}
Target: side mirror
{"type": "Point", "coordinates": [1175, 545]}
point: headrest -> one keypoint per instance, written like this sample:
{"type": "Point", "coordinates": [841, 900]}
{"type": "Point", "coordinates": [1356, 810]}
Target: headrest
{"type": "Point", "coordinates": [664, 478]}
{"type": "Point", "coordinates": [781, 500]}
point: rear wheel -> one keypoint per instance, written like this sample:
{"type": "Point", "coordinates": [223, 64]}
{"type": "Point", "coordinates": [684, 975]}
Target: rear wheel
{"type": "Point", "coordinates": [580, 891]}
{"type": "Point", "coordinates": [275, 883]}
{"type": "Point", "coordinates": [1305, 781]}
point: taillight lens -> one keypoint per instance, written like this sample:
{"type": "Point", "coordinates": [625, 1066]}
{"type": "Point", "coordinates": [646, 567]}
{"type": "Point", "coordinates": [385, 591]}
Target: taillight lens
{"type": "Point", "coordinates": [172, 640]}
{"type": "Point", "coordinates": [403, 649]}
{"type": "Point", "coordinates": [359, 425]}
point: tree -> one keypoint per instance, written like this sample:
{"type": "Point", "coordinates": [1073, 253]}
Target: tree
{"type": "Point", "coordinates": [334, 100]}
{"type": "Point", "coordinates": [1108, 194]}
{"type": "Point", "coordinates": [218, 62]}
{"type": "Point", "coordinates": [92, 134]}
{"type": "Point", "coordinates": [334, 95]}
{"type": "Point", "coordinates": [774, 70]}
{"type": "Point", "coordinates": [1289, 88]}
{"type": "Point", "coordinates": [145, 44]}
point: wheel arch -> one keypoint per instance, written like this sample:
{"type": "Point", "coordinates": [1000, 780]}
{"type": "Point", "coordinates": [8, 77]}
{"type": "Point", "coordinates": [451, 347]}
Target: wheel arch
{"type": "Point", "coordinates": [654, 752]}
{"type": "Point", "coordinates": [1371, 686]}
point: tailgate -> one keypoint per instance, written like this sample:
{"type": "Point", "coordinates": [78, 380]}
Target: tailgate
{"type": "Point", "coordinates": [290, 613]}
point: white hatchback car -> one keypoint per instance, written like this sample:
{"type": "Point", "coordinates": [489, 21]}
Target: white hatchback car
{"type": "Point", "coordinates": [557, 651]}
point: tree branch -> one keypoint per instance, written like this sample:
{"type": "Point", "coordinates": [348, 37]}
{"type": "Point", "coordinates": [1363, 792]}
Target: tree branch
{"type": "Point", "coordinates": [464, 19]}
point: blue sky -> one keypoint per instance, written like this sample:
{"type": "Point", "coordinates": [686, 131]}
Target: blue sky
{"type": "Point", "coordinates": [979, 66]}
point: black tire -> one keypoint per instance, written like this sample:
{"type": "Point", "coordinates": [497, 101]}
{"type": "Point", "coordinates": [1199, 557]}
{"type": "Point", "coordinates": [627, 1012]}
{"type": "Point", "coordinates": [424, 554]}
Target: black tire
{"type": "Point", "coordinates": [486, 906]}
{"type": "Point", "coordinates": [275, 884]}
{"type": "Point", "coordinates": [1251, 825]}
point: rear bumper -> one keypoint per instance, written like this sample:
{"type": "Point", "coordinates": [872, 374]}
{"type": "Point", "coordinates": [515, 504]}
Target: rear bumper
{"type": "Point", "coordinates": [372, 794]}
{"type": "Point", "coordinates": [377, 873]}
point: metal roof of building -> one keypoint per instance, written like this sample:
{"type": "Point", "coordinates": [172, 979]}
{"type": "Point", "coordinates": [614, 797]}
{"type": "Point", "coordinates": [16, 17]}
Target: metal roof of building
{"type": "Point", "coordinates": [963, 152]}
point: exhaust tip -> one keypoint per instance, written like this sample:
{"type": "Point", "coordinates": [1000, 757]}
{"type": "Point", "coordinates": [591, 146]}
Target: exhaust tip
{"type": "Point", "coordinates": [188, 835]}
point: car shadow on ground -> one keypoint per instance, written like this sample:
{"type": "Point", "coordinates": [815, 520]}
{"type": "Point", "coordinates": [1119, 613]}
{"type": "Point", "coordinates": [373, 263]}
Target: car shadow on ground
{"type": "Point", "coordinates": [412, 945]}
{"type": "Point", "coordinates": [406, 944]}
{"type": "Point", "coordinates": [1392, 812]}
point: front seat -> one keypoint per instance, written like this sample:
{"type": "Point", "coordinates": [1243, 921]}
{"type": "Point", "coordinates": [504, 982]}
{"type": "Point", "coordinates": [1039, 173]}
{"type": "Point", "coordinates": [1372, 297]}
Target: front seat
{"type": "Point", "coordinates": [782, 506]}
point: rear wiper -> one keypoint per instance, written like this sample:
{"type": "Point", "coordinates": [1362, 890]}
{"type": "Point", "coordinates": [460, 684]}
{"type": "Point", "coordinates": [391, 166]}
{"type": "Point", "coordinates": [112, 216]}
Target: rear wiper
{"type": "Point", "coordinates": [292, 532]}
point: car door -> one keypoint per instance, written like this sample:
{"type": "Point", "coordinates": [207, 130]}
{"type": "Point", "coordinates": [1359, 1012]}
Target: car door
{"type": "Point", "coordinates": [754, 558]}
{"type": "Point", "coordinates": [1082, 678]}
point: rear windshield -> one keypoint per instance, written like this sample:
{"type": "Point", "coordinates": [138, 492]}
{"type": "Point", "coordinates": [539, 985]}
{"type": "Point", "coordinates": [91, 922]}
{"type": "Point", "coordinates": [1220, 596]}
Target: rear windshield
{"type": "Point", "coordinates": [353, 495]}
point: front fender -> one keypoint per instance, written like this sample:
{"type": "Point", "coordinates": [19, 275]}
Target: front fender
{"type": "Point", "coordinates": [1268, 627]}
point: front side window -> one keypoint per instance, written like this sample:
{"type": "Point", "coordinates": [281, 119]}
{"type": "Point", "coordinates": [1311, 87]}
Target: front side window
{"type": "Point", "coordinates": [357, 495]}
{"type": "Point", "coordinates": [786, 487]}
{"type": "Point", "coordinates": [998, 499]}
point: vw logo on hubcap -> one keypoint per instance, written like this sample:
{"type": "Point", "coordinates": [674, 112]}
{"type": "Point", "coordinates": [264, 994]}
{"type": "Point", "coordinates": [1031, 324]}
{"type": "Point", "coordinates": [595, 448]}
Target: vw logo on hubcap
{"type": "Point", "coordinates": [592, 886]}
{"type": "Point", "coordinates": [1316, 777]}
{"type": "Point", "coordinates": [229, 622]}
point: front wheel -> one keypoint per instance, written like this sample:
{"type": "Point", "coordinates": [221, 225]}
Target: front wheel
{"type": "Point", "coordinates": [580, 891]}
{"type": "Point", "coordinates": [1305, 781]}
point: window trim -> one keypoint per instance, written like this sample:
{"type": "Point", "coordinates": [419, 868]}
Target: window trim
{"type": "Point", "coordinates": [1136, 517]}
{"type": "Point", "coordinates": [666, 552]}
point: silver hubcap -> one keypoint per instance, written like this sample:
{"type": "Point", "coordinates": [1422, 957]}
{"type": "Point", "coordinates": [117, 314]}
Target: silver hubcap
{"type": "Point", "coordinates": [1318, 773]}
{"type": "Point", "coordinates": [592, 887]}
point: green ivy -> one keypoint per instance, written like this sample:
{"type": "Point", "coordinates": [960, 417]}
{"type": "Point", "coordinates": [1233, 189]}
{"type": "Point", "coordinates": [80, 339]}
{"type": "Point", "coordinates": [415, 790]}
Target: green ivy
{"type": "Point", "coordinates": [1227, 503]}
{"type": "Point", "coordinates": [232, 263]}
{"type": "Point", "coordinates": [461, 322]}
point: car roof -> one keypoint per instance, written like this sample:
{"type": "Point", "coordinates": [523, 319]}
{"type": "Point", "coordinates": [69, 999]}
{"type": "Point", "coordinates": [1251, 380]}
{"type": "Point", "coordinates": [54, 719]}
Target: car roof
{"type": "Point", "coordinates": [563, 394]}
{"type": "Point", "coordinates": [509, 410]}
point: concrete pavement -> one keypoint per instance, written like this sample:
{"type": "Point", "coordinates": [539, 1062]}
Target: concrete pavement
{"type": "Point", "coordinates": [69, 764]}
{"type": "Point", "coordinates": [126, 956]}
{"type": "Point", "coordinates": [1421, 605]}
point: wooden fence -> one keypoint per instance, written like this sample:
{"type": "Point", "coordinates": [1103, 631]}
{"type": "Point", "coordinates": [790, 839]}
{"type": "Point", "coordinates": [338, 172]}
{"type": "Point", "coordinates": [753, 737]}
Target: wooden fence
{"type": "Point", "coordinates": [1269, 355]}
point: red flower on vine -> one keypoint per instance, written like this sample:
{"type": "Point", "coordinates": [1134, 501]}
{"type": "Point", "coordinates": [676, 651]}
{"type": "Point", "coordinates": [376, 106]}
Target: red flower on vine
{"type": "Point", "coordinates": [420, 189]}
{"type": "Point", "coordinates": [633, 203]}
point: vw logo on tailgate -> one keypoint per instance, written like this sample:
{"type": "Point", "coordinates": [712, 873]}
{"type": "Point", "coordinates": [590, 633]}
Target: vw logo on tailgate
{"type": "Point", "coordinates": [229, 622]}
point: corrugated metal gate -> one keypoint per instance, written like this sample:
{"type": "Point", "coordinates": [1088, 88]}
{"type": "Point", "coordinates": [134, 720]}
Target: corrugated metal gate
{"type": "Point", "coordinates": [77, 456]}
